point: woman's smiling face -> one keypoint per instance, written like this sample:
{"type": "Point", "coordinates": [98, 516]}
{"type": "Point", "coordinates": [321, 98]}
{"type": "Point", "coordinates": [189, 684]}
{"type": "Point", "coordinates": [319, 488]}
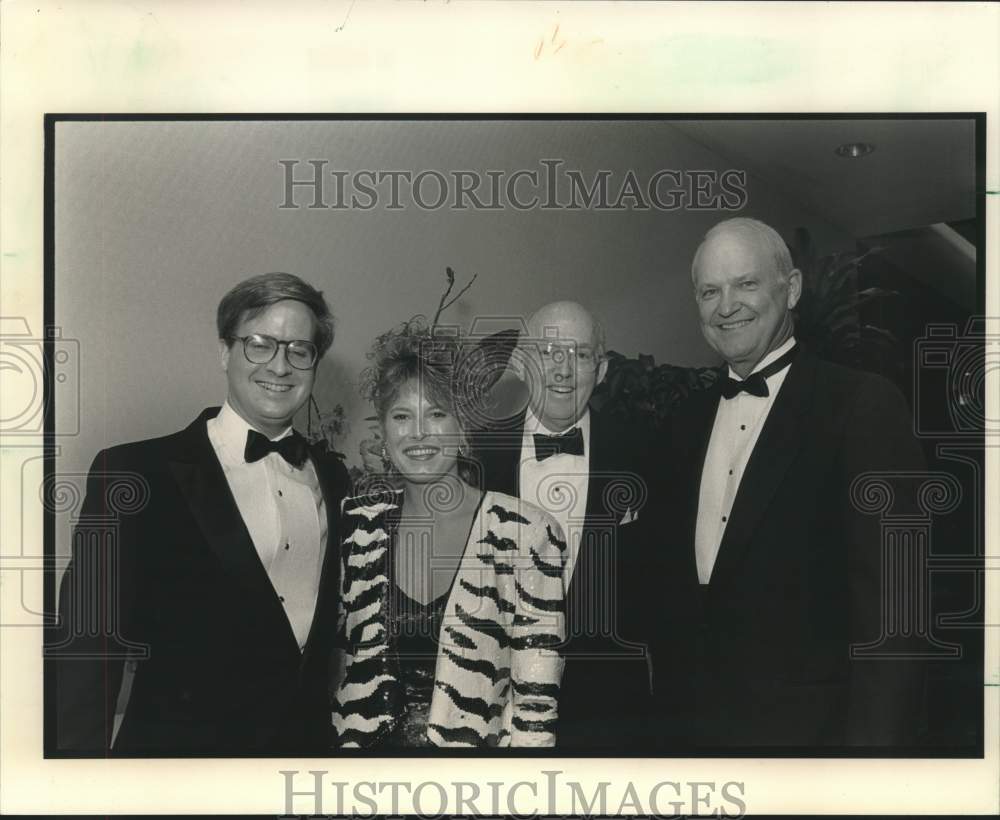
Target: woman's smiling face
{"type": "Point", "coordinates": [421, 436]}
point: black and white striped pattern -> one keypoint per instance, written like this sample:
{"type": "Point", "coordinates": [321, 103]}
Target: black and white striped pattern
{"type": "Point", "coordinates": [497, 669]}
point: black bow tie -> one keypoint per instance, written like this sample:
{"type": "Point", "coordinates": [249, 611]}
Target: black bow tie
{"type": "Point", "coordinates": [570, 442]}
{"type": "Point", "coordinates": [292, 448]}
{"type": "Point", "coordinates": [755, 383]}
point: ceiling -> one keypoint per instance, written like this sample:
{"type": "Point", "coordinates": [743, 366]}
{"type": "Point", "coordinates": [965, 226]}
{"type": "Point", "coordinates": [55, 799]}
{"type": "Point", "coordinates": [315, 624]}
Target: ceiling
{"type": "Point", "coordinates": [921, 171]}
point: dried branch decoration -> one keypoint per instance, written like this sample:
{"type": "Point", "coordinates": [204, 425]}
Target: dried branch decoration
{"type": "Point", "coordinates": [443, 305]}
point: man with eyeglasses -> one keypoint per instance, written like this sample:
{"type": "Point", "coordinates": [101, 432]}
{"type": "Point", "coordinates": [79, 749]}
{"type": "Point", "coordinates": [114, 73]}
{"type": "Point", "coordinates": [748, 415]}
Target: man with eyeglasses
{"type": "Point", "coordinates": [227, 577]}
{"type": "Point", "coordinates": [589, 472]}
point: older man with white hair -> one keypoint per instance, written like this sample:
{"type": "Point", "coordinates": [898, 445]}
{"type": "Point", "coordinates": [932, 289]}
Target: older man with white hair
{"type": "Point", "coordinates": [774, 578]}
{"type": "Point", "coordinates": [590, 473]}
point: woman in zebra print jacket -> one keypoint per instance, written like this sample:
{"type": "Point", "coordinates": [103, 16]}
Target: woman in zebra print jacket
{"type": "Point", "coordinates": [452, 604]}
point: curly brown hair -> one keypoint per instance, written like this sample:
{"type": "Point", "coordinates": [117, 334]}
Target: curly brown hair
{"type": "Point", "coordinates": [434, 356]}
{"type": "Point", "coordinates": [438, 360]}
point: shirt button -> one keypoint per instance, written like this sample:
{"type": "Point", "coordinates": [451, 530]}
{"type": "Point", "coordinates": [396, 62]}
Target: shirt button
{"type": "Point", "coordinates": [742, 427]}
{"type": "Point", "coordinates": [730, 472]}
{"type": "Point", "coordinates": [723, 518]}
{"type": "Point", "coordinates": [286, 546]}
{"type": "Point", "coordinates": [281, 598]}
{"type": "Point", "coordinates": [280, 493]}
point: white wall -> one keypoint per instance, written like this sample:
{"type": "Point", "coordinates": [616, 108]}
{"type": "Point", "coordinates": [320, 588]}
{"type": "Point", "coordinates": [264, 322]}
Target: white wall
{"type": "Point", "coordinates": [155, 221]}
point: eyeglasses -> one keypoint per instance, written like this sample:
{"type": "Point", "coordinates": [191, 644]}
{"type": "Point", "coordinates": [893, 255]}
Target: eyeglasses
{"type": "Point", "coordinates": [556, 353]}
{"type": "Point", "coordinates": [260, 349]}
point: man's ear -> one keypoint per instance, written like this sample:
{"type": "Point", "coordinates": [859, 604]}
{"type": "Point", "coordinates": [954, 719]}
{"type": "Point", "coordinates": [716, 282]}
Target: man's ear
{"type": "Point", "coordinates": [794, 287]}
{"type": "Point", "coordinates": [602, 371]}
{"type": "Point", "coordinates": [224, 349]}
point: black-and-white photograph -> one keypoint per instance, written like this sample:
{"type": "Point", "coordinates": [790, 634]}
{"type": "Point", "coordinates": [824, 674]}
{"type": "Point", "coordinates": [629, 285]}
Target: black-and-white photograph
{"type": "Point", "coordinates": [437, 407]}
{"type": "Point", "coordinates": [590, 436]}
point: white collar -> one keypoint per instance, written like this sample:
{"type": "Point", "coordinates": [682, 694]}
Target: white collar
{"type": "Point", "coordinates": [232, 428]}
{"type": "Point", "coordinates": [774, 355]}
{"type": "Point", "coordinates": [533, 425]}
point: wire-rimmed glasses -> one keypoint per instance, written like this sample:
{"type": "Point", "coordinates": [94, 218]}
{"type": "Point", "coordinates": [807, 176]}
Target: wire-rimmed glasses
{"type": "Point", "coordinates": [260, 348]}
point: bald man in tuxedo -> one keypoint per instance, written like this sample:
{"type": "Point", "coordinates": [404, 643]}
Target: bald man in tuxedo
{"type": "Point", "coordinates": [591, 474]}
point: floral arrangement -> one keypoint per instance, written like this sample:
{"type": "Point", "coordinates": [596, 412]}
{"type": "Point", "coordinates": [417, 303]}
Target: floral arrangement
{"type": "Point", "coordinates": [639, 391]}
{"type": "Point", "coordinates": [330, 425]}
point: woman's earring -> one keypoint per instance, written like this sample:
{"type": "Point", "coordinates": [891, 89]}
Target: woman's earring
{"type": "Point", "coordinates": [386, 461]}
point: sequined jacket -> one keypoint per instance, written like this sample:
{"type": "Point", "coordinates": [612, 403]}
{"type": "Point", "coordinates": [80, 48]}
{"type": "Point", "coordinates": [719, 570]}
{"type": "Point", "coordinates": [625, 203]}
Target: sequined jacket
{"type": "Point", "coordinates": [497, 668]}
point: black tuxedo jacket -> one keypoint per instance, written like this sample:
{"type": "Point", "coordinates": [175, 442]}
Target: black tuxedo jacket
{"type": "Point", "coordinates": [605, 694]}
{"type": "Point", "coordinates": [224, 673]}
{"type": "Point", "coordinates": [760, 656]}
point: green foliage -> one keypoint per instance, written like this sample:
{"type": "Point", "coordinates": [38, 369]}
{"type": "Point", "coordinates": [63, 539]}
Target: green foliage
{"type": "Point", "coordinates": [829, 316]}
{"type": "Point", "coordinates": [329, 425]}
{"type": "Point", "coordinates": [639, 391]}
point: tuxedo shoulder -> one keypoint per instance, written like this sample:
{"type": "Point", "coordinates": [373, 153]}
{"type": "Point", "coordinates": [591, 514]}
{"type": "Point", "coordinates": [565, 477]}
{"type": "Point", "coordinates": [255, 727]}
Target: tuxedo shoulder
{"type": "Point", "coordinates": [850, 383]}
{"type": "Point", "coordinates": [626, 446]}
{"type": "Point", "coordinates": [143, 453]}
{"type": "Point", "coordinates": [607, 423]}
{"type": "Point", "coordinates": [333, 463]}
{"type": "Point", "coordinates": [842, 374]}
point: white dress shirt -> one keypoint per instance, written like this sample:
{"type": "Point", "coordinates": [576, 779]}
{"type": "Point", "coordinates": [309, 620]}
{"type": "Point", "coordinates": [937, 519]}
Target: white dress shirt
{"type": "Point", "coordinates": [284, 511]}
{"type": "Point", "coordinates": [737, 427]}
{"type": "Point", "coordinates": [558, 484]}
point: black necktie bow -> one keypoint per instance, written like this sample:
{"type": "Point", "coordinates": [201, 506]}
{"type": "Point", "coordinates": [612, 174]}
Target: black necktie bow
{"type": "Point", "coordinates": [755, 384]}
{"type": "Point", "coordinates": [292, 448]}
{"type": "Point", "coordinates": [570, 442]}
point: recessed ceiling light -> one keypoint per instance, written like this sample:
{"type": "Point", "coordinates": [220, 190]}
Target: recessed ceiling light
{"type": "Point", "coordinates": [853, 150]}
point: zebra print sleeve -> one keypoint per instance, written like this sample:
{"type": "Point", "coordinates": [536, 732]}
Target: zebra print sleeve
{"type": "Point", "coordinates": [537, 628]}
{"type": "Point", "coordinates": [361, 708]}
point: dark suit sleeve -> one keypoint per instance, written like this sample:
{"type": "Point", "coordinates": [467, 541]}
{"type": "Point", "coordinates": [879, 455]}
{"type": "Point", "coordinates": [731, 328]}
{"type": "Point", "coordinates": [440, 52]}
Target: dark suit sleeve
{"type": "Point", "coordinates": [97, 594]}
{"type": "Point", "coordinates": [340, 642]}
{"type": "Point", "coordinates": [884, 693]}
{"type": "Point", "coordinates": [642, 565]}
{"type": "Point", "coordinates": [334, 652]}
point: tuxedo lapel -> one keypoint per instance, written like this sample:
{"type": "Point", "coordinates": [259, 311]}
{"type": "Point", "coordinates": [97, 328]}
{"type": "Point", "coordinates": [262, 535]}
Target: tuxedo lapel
{"type": "Point", "coordinates": [779, 442]}
{"type": "Point", "coordinates": [330, 573]}
{"type": "Point", "coordinates": [600, 462]}
{"type": "Point", "coordinates": [600, 521]}
{"type": "Point", "coordinates": [513, 456]}
{"type": "Point", "coordinates": [333, 493]}
{"type": "Point", "coordinates": [594, 517]}
{"type": "Point", "coordinates": [691, 430]}
{"type": "Point", "coordinates": [499, 452]}
{"type": "Point", "coordinates": [200, 477]}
